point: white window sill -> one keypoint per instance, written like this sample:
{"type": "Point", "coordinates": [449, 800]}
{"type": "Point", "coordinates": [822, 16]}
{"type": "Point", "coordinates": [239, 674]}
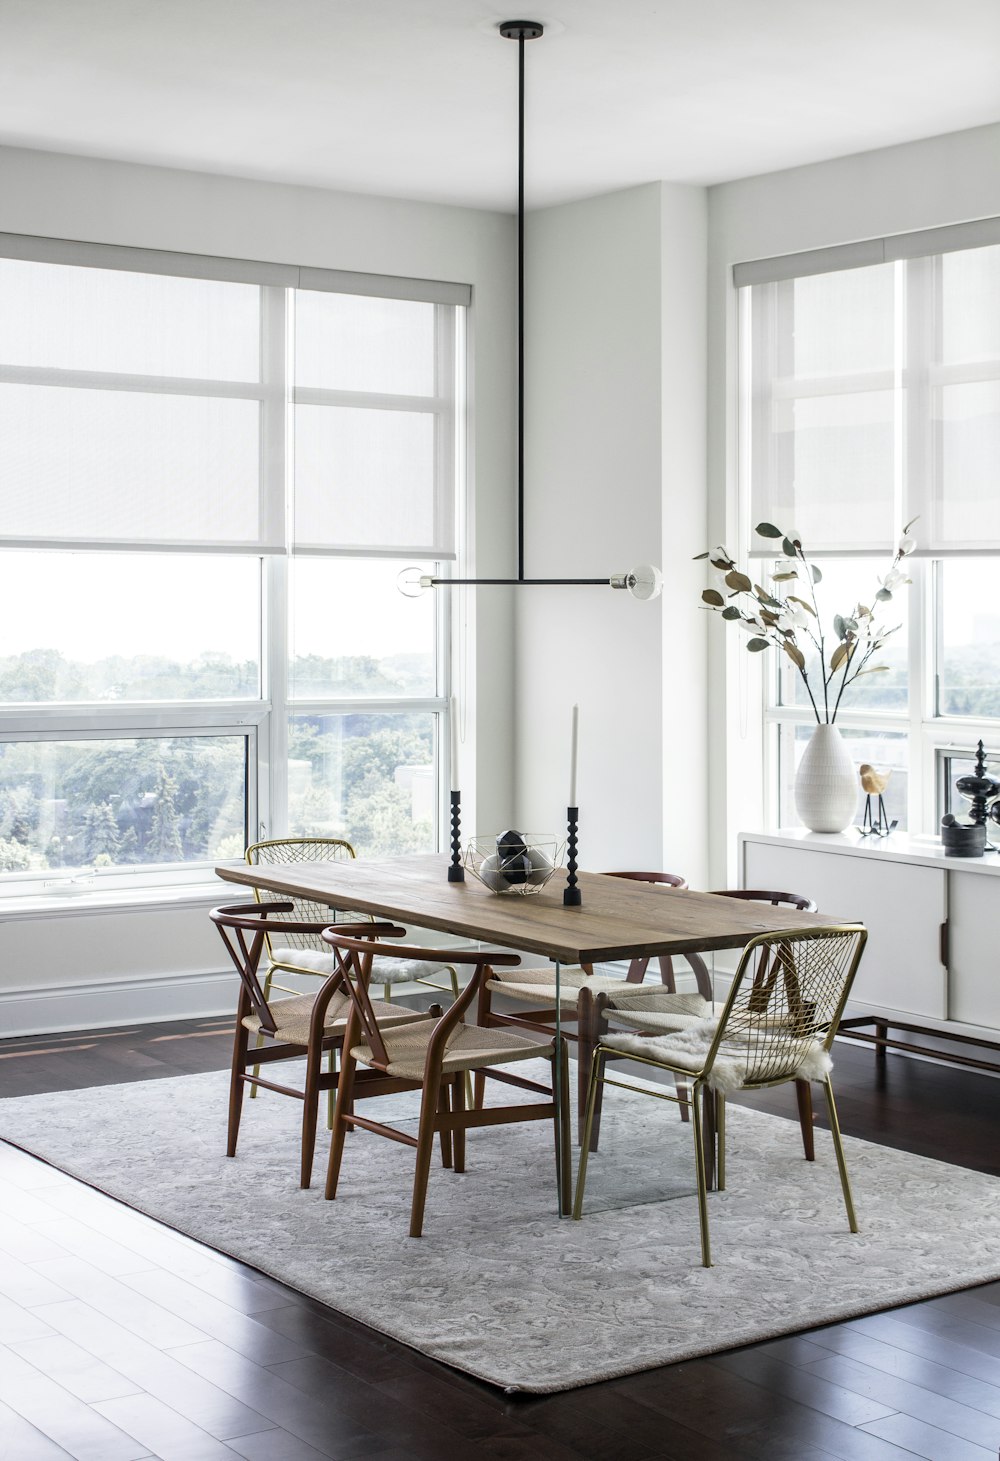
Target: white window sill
{"type": "Point", "coordinates": [87, 898]}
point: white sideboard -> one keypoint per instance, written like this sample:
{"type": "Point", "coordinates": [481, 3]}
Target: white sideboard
{"type": "Point", "coordinates": [933, 920]}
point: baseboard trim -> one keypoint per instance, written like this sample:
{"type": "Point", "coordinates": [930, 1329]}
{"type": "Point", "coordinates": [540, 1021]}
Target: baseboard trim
{"type": "Point", "coordinates": [150, 999]}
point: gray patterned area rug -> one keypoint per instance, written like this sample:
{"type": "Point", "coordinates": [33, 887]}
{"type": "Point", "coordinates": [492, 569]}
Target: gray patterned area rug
{"type": "Point", "coordinates": [498, 1286]}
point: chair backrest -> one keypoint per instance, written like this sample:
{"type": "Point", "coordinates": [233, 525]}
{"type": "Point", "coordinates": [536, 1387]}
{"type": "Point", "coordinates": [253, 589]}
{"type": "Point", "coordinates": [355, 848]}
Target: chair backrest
{"type": "Point", "coordinates": [244, 928]}
{"type": "Point", "coordinates": [777, 900]}
{"type": "Point", "coordinates": [788, 992]}
{"type": "Point", "coordinates": [354, 958]}
{"type": "Point", "coordinates": [671, 880]}
{"type": "Point", "coordinates": [304, 910]}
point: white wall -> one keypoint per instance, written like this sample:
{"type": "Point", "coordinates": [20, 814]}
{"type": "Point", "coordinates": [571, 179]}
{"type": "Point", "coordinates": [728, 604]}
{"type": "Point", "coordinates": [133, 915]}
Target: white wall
{"type": "Point", "coordinates": [941, 180]}
{"type": "Point", "coordinates": [614, 445]}
{"type": "Point", "coordinates": [56, 964]}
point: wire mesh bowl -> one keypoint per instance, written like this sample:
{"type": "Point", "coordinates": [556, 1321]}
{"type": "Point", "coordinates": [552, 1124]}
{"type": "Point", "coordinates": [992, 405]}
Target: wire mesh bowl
{"type": "Point", "coordinates": [515, 862]}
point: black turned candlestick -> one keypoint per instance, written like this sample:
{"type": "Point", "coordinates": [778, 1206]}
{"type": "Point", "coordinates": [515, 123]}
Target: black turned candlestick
{"type": "Point", "coordinates": [456, 872]}
{"type": "Point", "coordinates": [572, 897]}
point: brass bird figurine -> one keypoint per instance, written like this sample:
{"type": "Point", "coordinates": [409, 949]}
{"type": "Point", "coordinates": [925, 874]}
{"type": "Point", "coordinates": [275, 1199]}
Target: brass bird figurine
{"type": "Point", "coordinates": [872, 781]}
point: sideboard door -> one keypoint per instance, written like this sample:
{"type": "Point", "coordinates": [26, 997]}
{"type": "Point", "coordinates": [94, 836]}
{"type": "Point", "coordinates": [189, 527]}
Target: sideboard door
{"type": "Point", "coordinates": [903, 906]}
{"type": "Point", "coordinates": [974, 960]}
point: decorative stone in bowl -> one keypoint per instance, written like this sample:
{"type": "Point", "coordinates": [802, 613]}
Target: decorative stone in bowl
{"type": "Point", "coordinates": [514, 862]}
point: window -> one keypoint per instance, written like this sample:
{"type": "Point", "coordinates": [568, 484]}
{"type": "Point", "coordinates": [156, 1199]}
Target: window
{"type": "Point", "coordinates": [211, 474]}
{"type": "Point", "coordinates": [870, 383]}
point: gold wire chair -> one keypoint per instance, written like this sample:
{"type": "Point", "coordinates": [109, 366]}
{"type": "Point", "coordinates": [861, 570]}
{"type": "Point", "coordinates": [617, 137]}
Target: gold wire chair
{"type": "Point", "coordinates": [777, 1025]}
{"type": "Point", "coordinates": [305, 954]}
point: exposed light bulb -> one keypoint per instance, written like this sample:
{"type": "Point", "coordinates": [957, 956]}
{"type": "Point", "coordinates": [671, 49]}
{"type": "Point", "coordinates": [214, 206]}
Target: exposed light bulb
{"type": "Point", "coordinates": [643, 582]}
{"type": "Point", "coordinates": [412, 583]}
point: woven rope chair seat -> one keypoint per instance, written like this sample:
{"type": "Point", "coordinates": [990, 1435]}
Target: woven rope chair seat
{"type": "Point", "coordinates": [653, 999]}
{"type": "Point", "coordinates": [469, 1046]}
{"type": "Point", "coordinates": [384, 971]}
{"type": "Point", "coordinates": [292, 1016]}
{"type": "Point", "coordinates": [663, 1016]}
{"type": "Point", "coordinates": [538, 986]}
{"type": "Point", "coordinates": [686, 1050]}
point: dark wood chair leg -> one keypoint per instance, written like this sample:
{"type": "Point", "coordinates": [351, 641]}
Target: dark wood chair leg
{"type": "Point", "coordinates": [803, 1095]}
{"type": "Point", "coordinates": [444, 1106]}
{"type": "Point", "coordinates": [425, 1148]}
{"type": "Point", "coordinates": [684, 1099]}
{"type": "Point", "coordinates": [345, 1099]}
{"type": "Point", "coordinates": [458, 1106]}
{"type": "Point", "coordinates": [310, 1113]}
{"type": "Point", "coordinates": [241, 1042]}
{"type": "Point", "coordinates": [484, 1017]}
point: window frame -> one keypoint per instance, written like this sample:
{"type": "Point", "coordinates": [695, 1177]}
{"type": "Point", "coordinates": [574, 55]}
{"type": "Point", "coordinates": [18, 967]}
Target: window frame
{"type": "Point", "coordinates": [931, 735]}
{"type": "Point", "coordinates": [262, 721]}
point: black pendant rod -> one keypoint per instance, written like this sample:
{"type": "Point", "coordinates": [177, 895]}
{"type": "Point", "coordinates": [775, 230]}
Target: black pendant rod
{"type": "Point", "coordinates": [520, 306]}
{"type": "Point", "coordinates": [521, 31]}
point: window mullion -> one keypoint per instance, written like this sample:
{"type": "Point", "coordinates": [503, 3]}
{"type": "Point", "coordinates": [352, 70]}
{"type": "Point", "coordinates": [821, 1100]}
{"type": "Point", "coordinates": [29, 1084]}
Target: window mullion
{"type": "Point", "coordinates": [275, 487]}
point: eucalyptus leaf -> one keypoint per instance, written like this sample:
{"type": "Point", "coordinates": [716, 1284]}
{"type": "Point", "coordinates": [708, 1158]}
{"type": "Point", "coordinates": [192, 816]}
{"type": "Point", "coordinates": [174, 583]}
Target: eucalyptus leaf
{"type": "Point", "coordinates": [802, 603]}
{"type": "Point", "coordinates": [817, 577]}
{"type": "Point", "coordinates": [731, 612]}
{"type": "Point", "coordinates": [722, 564]}
{"type": "Point", "coordinates": [756, 645]}
{"type": "Point", "coordinates": [738, 582]}
{"type": "Point", "coordinates": [698, 556]}
{"type": "Point", "coordinates": [874, 670]}
{"type": "Point", "coordinates": [839, 655]}
{"type": "Point", "coordinates": [795, 654]}
{"type": "Point", "coordinates": [768, 530]}
{"type": "Point", "coordinates": [839, 626]}
{"type": "Point", "coordinates": [780, 577]}
{"type": "Point", "coordinates": [883, 595]}
{"type": "Point", "coordinates": [788, 548]}
{"type": "Point", "coordinates": [713, 597]}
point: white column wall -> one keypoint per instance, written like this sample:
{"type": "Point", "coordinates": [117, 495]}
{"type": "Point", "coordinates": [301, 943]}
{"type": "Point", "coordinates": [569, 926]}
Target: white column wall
{"type": "Point", "coordinates": [942, 180]}
{"type": "Point", "coordinates": [75, 968]}
{"type": "Point", "coordinates": [614, 370]}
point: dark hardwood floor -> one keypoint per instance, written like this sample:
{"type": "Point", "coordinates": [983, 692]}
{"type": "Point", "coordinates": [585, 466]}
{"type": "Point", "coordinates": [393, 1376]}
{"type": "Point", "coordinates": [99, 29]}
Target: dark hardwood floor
{"type": "Point", "coordinates": [120, 1340]}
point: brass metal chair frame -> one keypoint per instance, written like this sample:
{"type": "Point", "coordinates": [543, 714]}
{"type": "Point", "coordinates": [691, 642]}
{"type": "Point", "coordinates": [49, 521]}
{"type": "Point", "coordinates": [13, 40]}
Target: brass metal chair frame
{"type": "Point", "coordinates": [244, 929]}
{"type": "Point", "coordinates": [779, 1011]}
{"type": "Point", "coordinates": [596, 1012]}
{"type": "Point", "coordinates": [443, 1106]}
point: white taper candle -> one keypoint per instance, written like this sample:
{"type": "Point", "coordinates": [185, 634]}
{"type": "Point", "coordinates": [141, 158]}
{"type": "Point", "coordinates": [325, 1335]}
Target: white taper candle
{"type": "Point", "coordinates": [453, 726]}
{"type": "Point", "coordinates": [573, 748]}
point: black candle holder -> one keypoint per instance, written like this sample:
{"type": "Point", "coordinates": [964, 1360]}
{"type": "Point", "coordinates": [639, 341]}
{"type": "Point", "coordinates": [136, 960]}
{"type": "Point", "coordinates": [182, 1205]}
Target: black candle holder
{"type": "Point", "coordinates": [572, 897]}
{"type": "Point", "coordinates": [456, 872]}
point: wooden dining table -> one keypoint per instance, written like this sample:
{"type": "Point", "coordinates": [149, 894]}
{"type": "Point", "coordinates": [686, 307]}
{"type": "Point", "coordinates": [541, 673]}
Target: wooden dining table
{"type": "Point", "coordinates": [617, 919]}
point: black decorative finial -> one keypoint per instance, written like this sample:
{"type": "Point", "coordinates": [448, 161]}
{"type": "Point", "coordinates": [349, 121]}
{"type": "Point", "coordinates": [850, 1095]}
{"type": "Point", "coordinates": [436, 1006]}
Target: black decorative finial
{"type": "Point", "coordinates": [980, 789]}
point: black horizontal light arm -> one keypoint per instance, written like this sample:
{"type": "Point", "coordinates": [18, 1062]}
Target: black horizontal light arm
{"type": "Point", "coordinates": [516, 582]}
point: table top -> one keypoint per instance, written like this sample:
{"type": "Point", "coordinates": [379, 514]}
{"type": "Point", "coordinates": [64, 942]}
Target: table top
{"type": "Point", "coordinates": [618, 919]}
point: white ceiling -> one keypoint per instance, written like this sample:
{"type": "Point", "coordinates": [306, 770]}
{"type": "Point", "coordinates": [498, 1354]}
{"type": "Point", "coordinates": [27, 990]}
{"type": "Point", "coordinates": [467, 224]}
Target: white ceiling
{"type": "Point", "coordinates": [417, 98]}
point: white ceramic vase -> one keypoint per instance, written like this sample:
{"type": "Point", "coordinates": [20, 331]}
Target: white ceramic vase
{"type": "Point", "coordinates": [826, 783]}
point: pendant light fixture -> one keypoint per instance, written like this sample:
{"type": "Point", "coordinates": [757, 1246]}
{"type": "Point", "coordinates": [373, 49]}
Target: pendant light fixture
{"type": "Point", "coordinates": [643, 582]}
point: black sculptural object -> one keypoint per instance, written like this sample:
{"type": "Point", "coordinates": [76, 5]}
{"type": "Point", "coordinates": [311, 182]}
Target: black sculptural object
{"type": "Point", "coordinates": [980, 789]}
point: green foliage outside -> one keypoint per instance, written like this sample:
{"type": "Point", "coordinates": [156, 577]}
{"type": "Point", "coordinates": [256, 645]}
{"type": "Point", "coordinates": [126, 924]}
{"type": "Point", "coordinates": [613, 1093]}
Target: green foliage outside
{"type": "Point", "coordinates": [154, 800]}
